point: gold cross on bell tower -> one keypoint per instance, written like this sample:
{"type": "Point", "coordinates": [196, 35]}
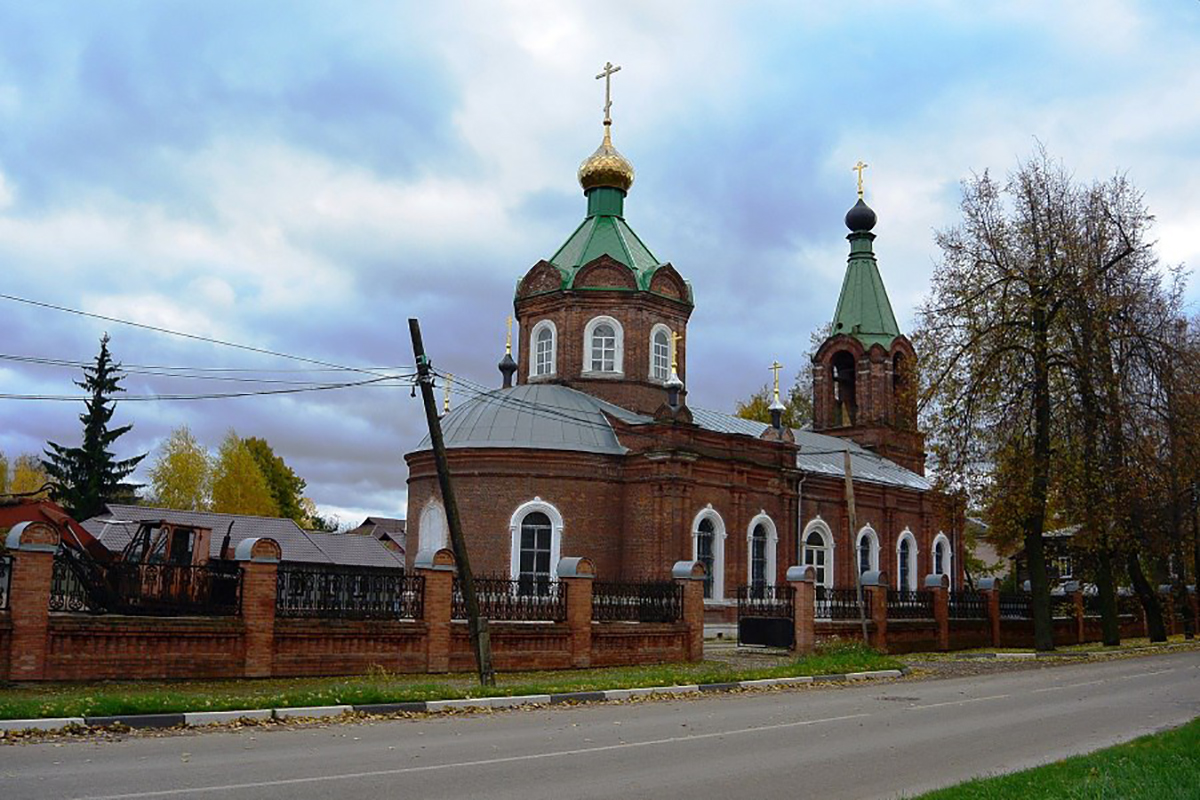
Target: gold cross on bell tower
{"type": "Point", "coordinates": [508, 338]}
{"type": "Point", "coordinates": [859, 167]}
{"type": "Point", "coordinates": [775, 367]}
{"type": "Point", "coordinates": [675, 337]}
{"type": "Point", "coordinates": [607, 74]}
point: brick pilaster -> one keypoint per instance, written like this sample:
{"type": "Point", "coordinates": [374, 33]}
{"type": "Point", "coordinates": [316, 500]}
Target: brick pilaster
{"type": "Point", "coordinates": [577, 574]}
{"type": "Point", "coordinates": [438, 570]}
{"type": "Point", "coordinates": [32, 545]}
{"type": "Point", "coordinates": [940, 586]}
{"type": "Point", "coordinates": [803, 580]}
{"type": "Point", "coordinates": [876, 600]}
{"type": "Point", "coordinates": [690, 574]}
{"type": "Point", "coordinates": [260, 573]}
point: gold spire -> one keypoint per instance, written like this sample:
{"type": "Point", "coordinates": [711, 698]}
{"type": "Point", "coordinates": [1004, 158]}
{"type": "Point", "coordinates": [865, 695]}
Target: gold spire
{"type": "Point", "coordinates": [508, 338]}
{"type": "Point", "coordinates": [775, 367]}
{"type": "Point", "coordinates": [606, 166]}
{"type": "Point", "coordinates": [446, 398]}
{"type": "Point", "coordinates": [859, 167]}
{"type": "Point", "coordinates": [675, 337]}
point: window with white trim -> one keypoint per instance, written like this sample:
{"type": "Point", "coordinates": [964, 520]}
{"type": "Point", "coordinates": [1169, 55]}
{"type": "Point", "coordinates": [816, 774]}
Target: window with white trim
{"type": "Point", "coordinates": [906, 570]}
{"type": "Point", "coordinates": [543, 350]}
{"type": "Point", "coordinates": [758, 557]}
{"type": "Point", "coordinates": [536, 541]}
{"type": "Point", "coordinates": [706, 536]}
{"type": "Point", "coordinates": [604, 343]}
{"type": "Point", "coordinates": [660, 353]}
{"type": "Point", "coordinates": [708, 547]}
{"type": "Point", "coordinates": [868, 550]}
{"type": "Point", "coordinates": [818, 551]}
{"type": "Point", "coordinates": [432, 531]}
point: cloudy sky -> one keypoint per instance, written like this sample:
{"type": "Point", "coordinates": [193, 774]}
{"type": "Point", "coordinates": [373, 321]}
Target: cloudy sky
{"type": "Point", "coordinates": [303, 177]}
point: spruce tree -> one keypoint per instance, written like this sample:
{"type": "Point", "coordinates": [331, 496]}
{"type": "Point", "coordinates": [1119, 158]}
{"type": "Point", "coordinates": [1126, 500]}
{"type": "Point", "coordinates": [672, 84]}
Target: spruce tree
{"type": "Point", "coordinates": [85, 478]}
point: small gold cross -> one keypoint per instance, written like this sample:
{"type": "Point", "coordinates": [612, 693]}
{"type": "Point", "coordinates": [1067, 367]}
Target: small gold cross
{"type": "Point", "coordinates": [607, 74]}
{"type": "Point", "coordinates": [859, 167]}
{"type": "Point", "coordinates": [508, 338]}
{"type": "Point", "coordinates": [675, 337]}
{"type": "Point", "coordinates": [775, 367]}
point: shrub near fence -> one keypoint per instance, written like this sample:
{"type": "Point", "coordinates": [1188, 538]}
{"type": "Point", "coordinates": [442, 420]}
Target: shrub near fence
{"type": "Point", "coordinates": [637, 602]}
{"type": "Point", "coordinates": [507, 600]}
{"type": "Point", "coordinates": [348, 593]}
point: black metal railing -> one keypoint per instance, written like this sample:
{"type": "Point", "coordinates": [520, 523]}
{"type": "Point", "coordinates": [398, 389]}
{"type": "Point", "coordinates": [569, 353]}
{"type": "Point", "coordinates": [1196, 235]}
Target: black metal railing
{"type": "Point", "coordinates": [909, 604]}
{"type": "Point", "coordinates": [523, 600]}
{"type": "Point", "coordinates": [5, 580]}
{"type": "Point", "coordinates": [1129, 605]}
{"type": "Point", "coordinates": [1015, 605]}
{"type": "Point", "coordinates": [967, 605]}
{"type": "Point", "coordinates": [1091, 605]}
{"type": "Point", "coordinates": [838, 604]}
{"type": "Point", "coordinates": [637, 602]}
{"type": "Point", "coordinates": [1062, 606]}
{"type": "Point", "coordinates": [349, 593]}
{"type": "Point", "coordinates": [213, 589]}
{"type": "Point", "coordinates": [766, 601]}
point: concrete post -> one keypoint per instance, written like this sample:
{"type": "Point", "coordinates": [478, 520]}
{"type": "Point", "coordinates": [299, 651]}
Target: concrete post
{"type": "Point", "coordinates": [260, 574]}
{"type": "Point", "coordinates": [990, 589]}
{"type": "Point", "coordinates": [438, 569]}
{"type": "Point", "coordinates": [690, 574]}
{"type": "Point", "coordinates": [32, 545]}
{"type": "Point", "coordinates": [803, 579]}
{"type": "Point", "coordinates": [875, 589]}
{"type": "Point", "coordinates": [940, 586]}
{"type": "Point", "coordinates": [577, 574]}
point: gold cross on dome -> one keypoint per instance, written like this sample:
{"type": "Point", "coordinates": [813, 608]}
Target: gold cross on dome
{"type": "Point", "coordinates": [859, 167]}
{"type": "Point", "coordinates": [607, 74]}
{"type": "Point", "coordinates": [775, 367]}
{"type": "Point", "coordinates": [675, 337]}
{"type": "Point", "coordinates": [446, 399]}
{"type": "Point", "coordinates": [508, 338]}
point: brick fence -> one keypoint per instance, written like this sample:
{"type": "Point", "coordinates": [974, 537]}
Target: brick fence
{"type": "Point", "coordinates": [978, 619]}
{"type": "Point", "coordinates": [37, 644]}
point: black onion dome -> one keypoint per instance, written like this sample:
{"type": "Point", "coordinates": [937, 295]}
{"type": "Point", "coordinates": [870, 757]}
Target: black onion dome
{"type": "Point", "coordinates": [861, 218]}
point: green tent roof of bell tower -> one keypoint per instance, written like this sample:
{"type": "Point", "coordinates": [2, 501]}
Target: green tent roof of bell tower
{"type": "Point", "coordinates": [863, 309]}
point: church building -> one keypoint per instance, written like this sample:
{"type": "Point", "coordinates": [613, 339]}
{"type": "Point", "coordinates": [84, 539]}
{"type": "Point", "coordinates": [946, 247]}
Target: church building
{"type": "Point", "coordinates": [597, 449]}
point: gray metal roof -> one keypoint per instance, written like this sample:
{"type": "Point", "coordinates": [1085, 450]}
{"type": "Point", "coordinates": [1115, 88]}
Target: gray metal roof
{"type": "Point", "coordinates": [819, 453]}
{"type": "Point", "coordinates": [117, 527]}
{"type": "Point", "coordinates": [539, 416]}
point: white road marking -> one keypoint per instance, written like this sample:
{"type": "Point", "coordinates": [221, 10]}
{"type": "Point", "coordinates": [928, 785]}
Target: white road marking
{"type": "Point", "coordinates": [960, 702]}
{"type": "Point", "coordinates": [1067, 686]}
{"type": "Point", "coordinates": [230, 787]}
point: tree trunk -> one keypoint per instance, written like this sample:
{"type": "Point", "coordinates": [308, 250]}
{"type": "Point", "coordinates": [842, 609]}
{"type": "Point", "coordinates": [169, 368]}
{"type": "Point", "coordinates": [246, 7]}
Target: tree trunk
{"type": "Point", "coordinates": [1035, 522]}
{"type": "Point", "coordinates": [1149, 597]}
{"type": "Point", "coordinates": [1110, 622]}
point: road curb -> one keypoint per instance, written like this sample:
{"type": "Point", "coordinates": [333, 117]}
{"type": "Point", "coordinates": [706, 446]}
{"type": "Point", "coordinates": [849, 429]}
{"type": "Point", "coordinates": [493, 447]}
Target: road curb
{"type": "Point", "coordinates": [145, 721]}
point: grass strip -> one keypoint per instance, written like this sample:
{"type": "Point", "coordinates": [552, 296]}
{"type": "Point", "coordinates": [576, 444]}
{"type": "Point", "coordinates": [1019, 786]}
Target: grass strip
{"type": "Point", "coordinates": [32, 701]}
{"type": "Point", "coordinates": [1161, 766]}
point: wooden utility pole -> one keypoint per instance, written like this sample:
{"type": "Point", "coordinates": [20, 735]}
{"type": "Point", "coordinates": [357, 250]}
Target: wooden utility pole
{"type": "Point", "coordinates": [862, 609]}
{"type": "Point", "coordinates": [480, 639]}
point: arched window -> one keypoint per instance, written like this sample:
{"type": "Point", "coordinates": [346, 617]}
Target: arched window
{"type": "Point", "coordinates": [542, 361]}
{"type": "Point", "coordinates": [432, 531]}
{"type": "Point", "coordinates": [536, 542]}
{"type": "Point", "coordinates": [906, 561]}
{"type": "Point", "coordinates": [818, 551]}
{"type": "Point", "coordinates": [761, 538]}
{"type": "Point", "coordinates": [868, 550]}
{"type": "Point", "coordinates": [604, 343]}
{"type": "Point", "coordinates": [660, 353]}
{"type": "Point", "coordinates": [942, 556]}
{"type": "Point", "coordinates": [708, 547]}
{"type": "Point", "coordinates": [845, 401]}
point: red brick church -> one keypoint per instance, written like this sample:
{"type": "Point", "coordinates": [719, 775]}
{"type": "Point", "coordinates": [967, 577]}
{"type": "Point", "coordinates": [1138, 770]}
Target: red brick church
{"type": "Point", "coordinates": [598, 451]}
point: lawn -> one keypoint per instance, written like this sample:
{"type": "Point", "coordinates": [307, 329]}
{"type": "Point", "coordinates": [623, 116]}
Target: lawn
{"type": "Point", "coordinates": [30, 701]}
{"type": "Point", "coordinates": [1163, 766]}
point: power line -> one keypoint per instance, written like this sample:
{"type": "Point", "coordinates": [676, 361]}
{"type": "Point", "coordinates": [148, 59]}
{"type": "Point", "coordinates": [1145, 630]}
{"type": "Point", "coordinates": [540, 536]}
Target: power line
{"type": "Point", "coordinates": [403, 382]}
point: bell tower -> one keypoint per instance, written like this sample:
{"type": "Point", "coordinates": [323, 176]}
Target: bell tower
{"type": "Point", "coordinates": [864, 374]}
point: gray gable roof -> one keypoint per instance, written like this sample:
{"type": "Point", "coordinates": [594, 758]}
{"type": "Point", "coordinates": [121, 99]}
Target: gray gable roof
{"type": "Point", "coordinates": [117, 527]}
{"type": "Point", "coordinates": [540, 416]}
{"type": "Point", "coordinates": [821, 454]}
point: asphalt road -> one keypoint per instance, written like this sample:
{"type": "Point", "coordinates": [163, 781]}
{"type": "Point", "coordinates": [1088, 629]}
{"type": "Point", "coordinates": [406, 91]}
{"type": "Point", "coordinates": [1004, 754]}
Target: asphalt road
{"type": "Point", "coordinates": [864, 741]}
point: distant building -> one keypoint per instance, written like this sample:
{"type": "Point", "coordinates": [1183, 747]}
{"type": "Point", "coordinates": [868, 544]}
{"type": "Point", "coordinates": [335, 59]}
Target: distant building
{"type": "Point", "coordinates": [388, 530]}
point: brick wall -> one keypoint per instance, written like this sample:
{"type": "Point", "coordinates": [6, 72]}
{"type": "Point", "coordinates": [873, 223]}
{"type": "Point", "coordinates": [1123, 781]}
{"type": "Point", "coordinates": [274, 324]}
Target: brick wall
{"type": "Point", "coordinates": [113, 647]}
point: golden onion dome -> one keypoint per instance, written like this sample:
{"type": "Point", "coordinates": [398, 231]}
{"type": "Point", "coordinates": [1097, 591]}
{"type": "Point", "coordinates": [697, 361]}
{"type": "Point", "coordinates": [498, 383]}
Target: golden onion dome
{"type": "Point", "coordinates": [606, 167]}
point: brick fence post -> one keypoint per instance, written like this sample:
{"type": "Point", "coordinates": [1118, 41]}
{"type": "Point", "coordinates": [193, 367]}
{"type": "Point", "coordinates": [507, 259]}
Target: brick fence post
{"type": "Point", "coordinates": [690, 574]}
{"type": "Point", "coordinates": [940, 586]}
{"type": "Point", "coordinates": [1077, 605]}
{"type": "Point", "coordinates": [875, 591]}
{"type": "Point", "coordinates": [804, 580]}
{"type": "Point", "coordinates": [260, 575]}
{"type": "Point", "coordinates": [32, 545]}
{"type": "Point", "coordinates": [577, 574]}
{"type": "Point", "coordinates": [438, 568]}
{"type": "Point", "coordinates": [990, 589]}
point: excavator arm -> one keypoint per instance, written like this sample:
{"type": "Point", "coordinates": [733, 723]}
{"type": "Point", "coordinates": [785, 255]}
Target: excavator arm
{"type": "Point", "coordinates": [72, 534]}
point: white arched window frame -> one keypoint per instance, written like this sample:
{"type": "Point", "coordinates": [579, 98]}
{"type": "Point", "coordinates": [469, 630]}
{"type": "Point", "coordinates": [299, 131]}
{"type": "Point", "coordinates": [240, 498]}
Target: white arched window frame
{"type": "Point", "coordinates": [660, 353]}
{"type": "Point", "coordinates": [770, 542]}
{"type": "Point", "coordinates": [946, 562]}
{"type": "Point", "coordinates": [537, 504]}
{"type": "Point", "coordinates": [718, 548]}
{"type": "Point", "coordinates": [819, 556]}
{"type": "Point", "coordinates": [432, 531]}
{"type": "Point", "coordinates": [596, 350]}
{"type": "Point", "coordinates": [867, 534]}
{"type": "Point", "coordinates": [906, 579]}
{"type": "Point", "coordinates": [543, 350]}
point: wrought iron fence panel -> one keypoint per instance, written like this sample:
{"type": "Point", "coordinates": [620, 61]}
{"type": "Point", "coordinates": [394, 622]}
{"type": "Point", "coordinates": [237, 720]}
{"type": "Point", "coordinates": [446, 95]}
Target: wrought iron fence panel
{"type": "Point", "coordinates": [67, 592]}
{"type": "Point", "coordinates": [1129, 605]}
{"type": "Point", "coordinates": [637, 602]}
{"type": "Point", "coordinates": [838, 604]}
{"type": "Point", "coordinates": [1091, 605]}
{"type": "Point", "coordinates": [349, 593]}
{"type": "Point", "coordinates": [5, 580]}
{"type": "Point", "coordinates": [766, 601]}
{"type": "Point", "coordinates": [909, 604]}
{"type": "Point", "coordinates": [968, 605]}
{"type": "Point", "coordinates": [522, 600]}
{"type": "Point", "coordinates": [213, 589]}
{"type": "Point", "coordinates": [1015, 606]}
